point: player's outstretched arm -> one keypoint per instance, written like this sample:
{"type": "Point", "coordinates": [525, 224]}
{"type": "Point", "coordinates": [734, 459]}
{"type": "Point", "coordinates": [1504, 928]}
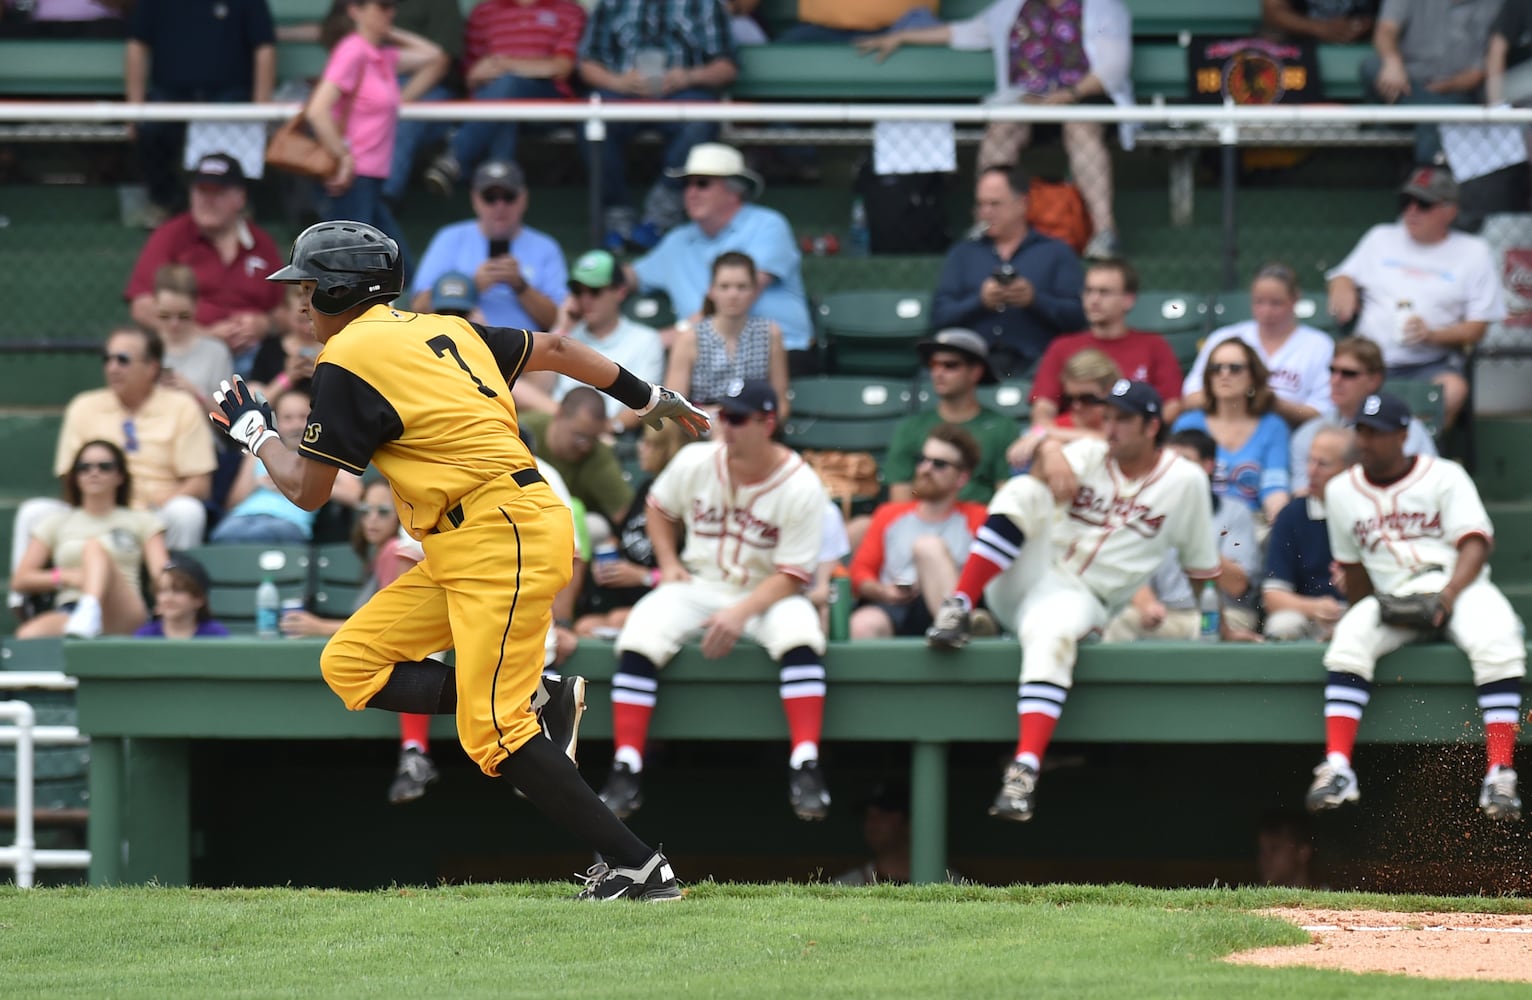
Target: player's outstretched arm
{"type": "Point", "coordinates": [551, 352]}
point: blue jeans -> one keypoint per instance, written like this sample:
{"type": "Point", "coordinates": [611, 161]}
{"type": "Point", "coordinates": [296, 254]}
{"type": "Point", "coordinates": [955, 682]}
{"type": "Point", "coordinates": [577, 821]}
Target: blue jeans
{"type": "Point", "coordinates": [363, 202]}
{"type": "Point", "coordinates": [1428, 140]}
{"type": "Point", "coordinates": [257, 529]}
{"type": "Point", "coordinates": [680, 137]}
{"type": "Point", "coordinates": [409, 137]}
{"type": "Point", "coordinates": [499, 138]}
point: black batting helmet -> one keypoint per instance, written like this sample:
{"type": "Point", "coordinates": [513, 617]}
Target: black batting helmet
{"type": "Point", "coordinates": [353, 263]}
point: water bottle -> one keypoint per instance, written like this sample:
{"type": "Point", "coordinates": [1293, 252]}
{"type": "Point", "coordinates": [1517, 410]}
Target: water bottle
{"type": "Point", "coordinates": [268, 601]}
{"type": "Point", "coordinates": [840, 606]}
{"type": "Point", "coordinates": [861, 238]}
{"type": "Point", "coordinates": [1208, 606]}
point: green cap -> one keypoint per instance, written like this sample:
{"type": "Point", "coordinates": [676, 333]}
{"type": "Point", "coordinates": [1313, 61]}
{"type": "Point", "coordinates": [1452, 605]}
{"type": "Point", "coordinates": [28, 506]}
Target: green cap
{"type": "Point", "coordinates": [595, 269]}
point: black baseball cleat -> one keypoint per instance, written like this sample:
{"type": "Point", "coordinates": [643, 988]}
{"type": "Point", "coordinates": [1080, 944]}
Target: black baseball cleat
{"type": "Point", "coordinates": [1018, 790]}
{"type": "Point", "coordinates": [1334, 785]}
{"type": "Point", "coordinates": [415, 772]}
{"type": "Point", "coordinates": [1498, 798]}
{"type": "Point", "coordinates": [559, 702]}
{"type": "Point", "coordinates": [807, 792]}
{"type": "Point", "coordinates": [951, 628]}
{"type": "Point", "coordinates": [651, 882]}
{"type": "Point", "coordinates": [622, 793]}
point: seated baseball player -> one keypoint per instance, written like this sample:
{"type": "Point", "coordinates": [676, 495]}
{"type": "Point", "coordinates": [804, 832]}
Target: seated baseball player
{"type": "Point", "coordinates": [1054, 581]}
{"type": "Point", "coordinates": [1301, 598]}
{"type": "Point", "coordinates": [753, 513]}
{"type": "Point", "coordinates": [1400, 527]}
{"type": "Point", "coordinates": [909, 557]}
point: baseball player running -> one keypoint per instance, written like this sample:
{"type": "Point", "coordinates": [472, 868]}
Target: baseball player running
{"type": "Point", "coordinates": [1402, 525]}
{"type": "Point", "coordinates": [427, 399]}
{"type": "Point", "coordinates": [1054, 581]}
{"type": "Point", "coordinates": [754, 513]}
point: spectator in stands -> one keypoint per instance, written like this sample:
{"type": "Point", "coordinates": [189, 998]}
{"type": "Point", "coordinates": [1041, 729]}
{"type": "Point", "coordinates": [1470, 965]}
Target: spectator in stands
{"type": "Point", "coordinates": [514, 50]}
{"type": "Point", "coordinates": [1086, 378]}
{"type": "Point", "coordinates": [1356, 372]}
{"type": "Point", "coordinates": [592, 315]}
{"type": "Point", "coordinates": [570, 441]}
{"type": "Point", "coordinates": [831, 21]}
{"type": "Point", "coordinates": [194, 363]}
{"type": "Point", "coordinates": [1111, 288]}
{"type": "Point", "coordinates": [90, 553]}
{"type": "Point", "coordinates": [258, 511]}
{"type": "Point", "coordinates": [1296, 355]}
{"type": "Point", "coordinates": [653, 51]}
{"type": "Point", "coordinates": [1300, 591]}
{"type": "Point", "coordinates": [1285, 850]}
{"type": "Point", "coordinates": [217, 53]}
{"type": "Point", "coordinates": [519, 271]}
{"type": "Point", "coordinates": [1426, 293]}
{"type": "Point", "coordinates": [1048, 52]}
{"type": "Point", "coordinates": [1429, 52]}
{"type": "Point", "coordinates": [180, 603]}
{"type": "Point", "coordinates": [287, 360]}
{"type": "Point", "coordinates": [958, 361]}
{"type": "Point", "coordinates": [1016, 287]}
{"type": "Point", "coordinates": [1339, 22]}
{"type": "Point", "coordinates": [1166, 607]}
{"type": "Point", "coordinates": [728, 345]}
{"type": "Point", "coordinates": [1240, 416]}
{"type": "Point", "coordinates": [354, 110]}
{"type": "Point", "coordinates": [229, 255]}
{"type": "Point", "coordinates": [1510, 48]}
{"type": "Point", "coordinates": [908, 560]}
{"type": "Point", "coordinates": [834, 547]}
{"type": "Point", "coordinates": [719, 194]}
{"type": "Point", "coordinates": [621, 581]}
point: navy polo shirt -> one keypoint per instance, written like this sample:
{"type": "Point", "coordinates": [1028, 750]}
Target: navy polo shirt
{"type": "Point", "coordinates": [202, 45]}
{"type": "Point", "coordinates": [1298, 553]}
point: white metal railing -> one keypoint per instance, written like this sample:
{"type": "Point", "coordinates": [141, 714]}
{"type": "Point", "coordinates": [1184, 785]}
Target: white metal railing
{"type": "Point", "coordinates": [24, 855]}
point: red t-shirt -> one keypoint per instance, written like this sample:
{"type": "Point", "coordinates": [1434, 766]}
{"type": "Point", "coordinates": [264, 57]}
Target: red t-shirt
{"type": "Point", "coordinates": [222, 289]}
{"type": "Point", "coordinates": [1140, 356]}
{"type": "Point", "coordinates": [540, 30]}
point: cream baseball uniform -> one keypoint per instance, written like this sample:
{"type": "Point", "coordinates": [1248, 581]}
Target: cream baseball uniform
{"type": "Point", "coordinates": [1406, 536]}
{"type": "Point", "coordinates": [1082, 561]}
{"type": "Point", "coordinates": [737, 535]}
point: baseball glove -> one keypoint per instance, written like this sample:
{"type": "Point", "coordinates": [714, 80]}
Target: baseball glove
{"type": "Point", "coordinates": [1422, 612]}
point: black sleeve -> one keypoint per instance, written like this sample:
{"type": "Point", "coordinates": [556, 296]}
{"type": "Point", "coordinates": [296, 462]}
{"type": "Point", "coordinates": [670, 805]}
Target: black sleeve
{"type": "Point", "coordinates": [511, 348]}
{"type": "Point", "coordinates": [348, 421]}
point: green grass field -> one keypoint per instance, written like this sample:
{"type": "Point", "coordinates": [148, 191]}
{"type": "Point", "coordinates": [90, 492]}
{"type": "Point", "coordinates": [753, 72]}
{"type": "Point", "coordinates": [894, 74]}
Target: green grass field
{"type": "Point", "coordinates": [1081, 942]}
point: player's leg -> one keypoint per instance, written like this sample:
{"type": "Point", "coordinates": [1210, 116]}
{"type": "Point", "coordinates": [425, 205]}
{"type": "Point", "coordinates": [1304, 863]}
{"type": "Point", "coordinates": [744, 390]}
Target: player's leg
{"type": "Point", "coordinates": [656, 627]}
{"type": "Point", "coordinates": [790, 631]}
{"type": "Point", "coordinates": [1485, 627]}
{"type": "Point", "coordinates": [378, 659]}
{"type": "Point", "coordinates": [1360, 640]}
{"type": "Point", "coordinates": [1057, 614]}
{"type": "Point", "coordinates": [1021, 510]}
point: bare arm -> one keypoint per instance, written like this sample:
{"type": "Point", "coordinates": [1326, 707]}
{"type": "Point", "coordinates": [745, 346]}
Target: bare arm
{"type": "Point", "coordinates": [1358, 583]}
{"type": "Point", "coordinates": [244, 483]}
{"type": "Point", "coordinates": [196, 487]}
{"type": "Point", "coordinates": [543, 310]}
{"type": "Point", "coordinates": [144, 312]}
{"type": "Point", "coordinates": [265, 74]}
{"type": "Point", "coordinates": [683, 354]}
{"type": "Point", "coordinates": [304, 481]}
{"type": "Point", "coordinates": [1494, 70]}
{"type": "Point", "coordinates": [1459, 335]}
{"type": "Point", "coordinates": [31, 578]}
{"type": "Point", "coordinates": [1473, 553]}
{"type": "Point", "coordinates": [1045, 412]}
{"type": "Point", "coordinates": [156, 554]}
{"type": "Point", "coordinates": [1233, 580]}
{"type": "Point", "coordinates": [662, 539]}
{"type": "Point", "coordinates": [600, 78]}
{"type": "Point", "coordinates": [1273, 503]}
{"type": "Point", "coordinates": [423, 59]}
{"type": "Point", "coordinates": [1293, 413]}
{"type": "Point", "coordinates": [777, 373]}
{"type": "Point", "coordinates": [347, 489]}
{"type": "Point", "coordinates": [494, 66]}
{"type": "Point", "coordinates": [885, 44]}
{"type": "Point", "coordinates": [1342, 294]}
{"type": "Point", "coordinates": [135, 71]}
{"type": "Point", "coordinates": [326, 95]}
{"type": "Point", "coordinates": [714, 75]}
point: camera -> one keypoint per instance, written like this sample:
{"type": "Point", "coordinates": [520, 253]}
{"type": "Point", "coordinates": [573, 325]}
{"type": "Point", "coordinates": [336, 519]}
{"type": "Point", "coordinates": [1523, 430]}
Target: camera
{"type": "Point", "coordinates": [1005, 274]}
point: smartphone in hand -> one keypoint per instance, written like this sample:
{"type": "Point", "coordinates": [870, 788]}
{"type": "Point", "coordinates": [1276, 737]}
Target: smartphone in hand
{"type": "Point", "coordinates": [499, 248]}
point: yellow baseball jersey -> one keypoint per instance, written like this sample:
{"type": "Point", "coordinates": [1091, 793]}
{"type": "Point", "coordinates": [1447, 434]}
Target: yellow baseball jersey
{"type": "Point", "coordinates": [424, 397]}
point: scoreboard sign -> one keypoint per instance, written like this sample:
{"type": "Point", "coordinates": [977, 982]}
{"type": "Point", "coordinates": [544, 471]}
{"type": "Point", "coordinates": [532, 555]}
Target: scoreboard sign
{"type": "Point", "coordinates": [1252, 71]}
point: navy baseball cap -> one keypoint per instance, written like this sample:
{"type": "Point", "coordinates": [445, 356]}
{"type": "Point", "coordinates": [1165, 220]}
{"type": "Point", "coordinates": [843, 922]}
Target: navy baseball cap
{"type": "Point", "coordinates": [1139, 398]}
{"type": "Point", "coordinates": [1383, 412]}
{"type": "Point", "coordinates": [748, 396]}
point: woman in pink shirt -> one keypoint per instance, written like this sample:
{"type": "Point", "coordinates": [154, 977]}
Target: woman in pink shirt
{"type": "Point", "coordinates": [360, 88]}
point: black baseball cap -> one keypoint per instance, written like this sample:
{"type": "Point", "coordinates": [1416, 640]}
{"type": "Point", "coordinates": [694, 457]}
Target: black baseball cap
{"type": "Point", "coordinates": [502, 174]}
{"type": "Point", "coordinates": [218, 168]}
{"type": "Point", "coordinates": [1383, 412]}
{"type": "Point", "coordinates": [959, 341]}
{"type": "Point", "coordinates": [748, 396]}
{"type": "Point", "coordinates": [1139, 398]}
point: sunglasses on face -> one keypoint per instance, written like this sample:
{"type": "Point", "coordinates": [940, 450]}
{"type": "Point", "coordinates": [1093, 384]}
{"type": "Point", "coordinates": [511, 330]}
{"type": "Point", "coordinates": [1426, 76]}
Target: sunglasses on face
{"type": "Point", "coordinates": [1346, 372]}
{"type": "Point", "coordinates": [497, 196]}
{"type": "Point", "coordinates": [109, 358]}
{"type": "Point", "coordinates": [1084, 399]}
{"type": "Point", "coordinates": [946, 364]}
{"type": "Point", "coordinates": [1229, 368]}
{"type": "Point", "coordinates": [1410, 201]}
{"type": "Point", "coordinates": [735, 419]}
{"type": "Point", "coordinates": [81, 468]}
{"type": "Point", "coordinates": [939, 464]}
{"type": "Point", "coordinates": [702, 183]}
{"type": "Point", "coordinates": [580, 291]}
{"type": "Point", "coordinates": [375, 510]}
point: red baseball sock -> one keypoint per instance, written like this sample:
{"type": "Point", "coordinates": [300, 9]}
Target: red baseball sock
{"type": "Point", "coordinates": [1340, 734]}
{"type": "Point", "coordinates": [1036, 732]}
{"type": "Point", "coordinates": [995, 546]}
{"type": "Point", "coordinates": [415, 730]}
{"type": "Point", "coordinates": [805, 718]}
{"type": "Point", "coordinates": [630, 725]}
{"type": "Point", "coordinates": [1500, 743]}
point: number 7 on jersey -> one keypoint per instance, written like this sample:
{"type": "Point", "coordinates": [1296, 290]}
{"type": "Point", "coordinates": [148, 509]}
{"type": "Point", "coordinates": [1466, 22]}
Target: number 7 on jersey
{"type": "Point", "coordinates": [443, 345]}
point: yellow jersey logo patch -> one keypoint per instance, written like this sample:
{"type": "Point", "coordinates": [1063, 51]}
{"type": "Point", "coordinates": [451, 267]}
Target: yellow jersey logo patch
{"type": "Point", "coordinates": [311, 433]}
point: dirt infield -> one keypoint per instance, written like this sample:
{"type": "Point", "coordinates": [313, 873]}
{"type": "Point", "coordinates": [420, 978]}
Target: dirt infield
{"type": "Point", "coordinates": [1428, 945]}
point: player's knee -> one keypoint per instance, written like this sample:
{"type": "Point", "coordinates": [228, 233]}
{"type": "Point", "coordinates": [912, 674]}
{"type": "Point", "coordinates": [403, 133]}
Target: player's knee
{"type": "Point", "coordinates": [870, 623]}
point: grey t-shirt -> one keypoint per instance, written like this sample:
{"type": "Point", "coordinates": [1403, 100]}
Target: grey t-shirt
{"type": "Point", "coordinates": [1440, 38]}
{"type": "Point", "coordinates": [204, 363]}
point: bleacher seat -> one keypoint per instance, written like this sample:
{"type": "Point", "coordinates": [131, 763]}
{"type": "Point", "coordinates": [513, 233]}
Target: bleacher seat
{"type": "Point", "coordinates": [335, 580]}
{"type": "Point", "coordinates": [849, 398]}
{"type": "Point", "coordinates": [45, 377]}
{"type": "Point", "coordinates": [1010, 397]}
{"type": "Point", "coordinates": [236, 572]}
{"type": "Point", "coordinates": [875, 332]}
{"type": "Point", "coordinates": [871, 436]}
{"type": "Point", "coordinates": [28, 440]}
{"type": "Point", "coordinates": [1166, 312]}
{"type": "Point", "coordinates": [1425, 400]}
{"type": "Point", "coordinates": [649, 308]}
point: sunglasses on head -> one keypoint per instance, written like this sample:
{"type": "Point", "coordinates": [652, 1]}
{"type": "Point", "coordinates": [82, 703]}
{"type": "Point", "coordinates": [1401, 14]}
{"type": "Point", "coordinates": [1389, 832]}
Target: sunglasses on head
{"type": "Point", "coordinates": [735, 419]}
{"type": "Point", "coordinates": [939, 464]}
{"type": "Point", "coordinates": [496, 196]}
{"type": "Point", "coordinates": [1229, 368]}
{"type": "Point", "coordinates": [1346, 372]}
{"type": "Point", "coordinates": [119, 358]}
{"type": "Point", "coordinates": [84, 467]}
{"type": "Point", "coordinates": [1083, 399]}
{"type": "Point", "coordinates": [700, 182]}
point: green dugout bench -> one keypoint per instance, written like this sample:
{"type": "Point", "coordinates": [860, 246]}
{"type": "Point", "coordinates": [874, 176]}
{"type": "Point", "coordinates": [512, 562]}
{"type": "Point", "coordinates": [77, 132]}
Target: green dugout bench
{"type": "Point", "coordinates": [145, 705]}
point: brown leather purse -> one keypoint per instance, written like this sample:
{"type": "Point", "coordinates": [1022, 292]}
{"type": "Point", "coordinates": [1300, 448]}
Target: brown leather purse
{"type": "Point", "coordinates": [293, 147]}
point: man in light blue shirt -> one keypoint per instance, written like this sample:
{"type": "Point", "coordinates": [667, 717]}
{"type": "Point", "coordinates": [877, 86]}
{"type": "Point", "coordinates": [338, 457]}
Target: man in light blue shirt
{"type": "Point", "coordinates": [717, 186]}
{"type": "Point", "coordinates": [523, 281]}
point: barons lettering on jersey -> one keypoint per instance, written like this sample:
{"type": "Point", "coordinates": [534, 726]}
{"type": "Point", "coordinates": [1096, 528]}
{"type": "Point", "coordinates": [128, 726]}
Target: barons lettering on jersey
{"type": "Point", "coordinates": [1396, 526]}
{"type": "Point", "coordinates": [709, 521]}
{"type": "Point", "coordinates": [1102, 511]}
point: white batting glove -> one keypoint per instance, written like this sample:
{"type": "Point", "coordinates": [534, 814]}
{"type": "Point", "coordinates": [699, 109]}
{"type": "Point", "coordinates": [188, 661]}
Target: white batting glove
{"type": "Point", "coordinates": [243, 414]}
{"type": "Point", "coordinates": [665, 402]}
